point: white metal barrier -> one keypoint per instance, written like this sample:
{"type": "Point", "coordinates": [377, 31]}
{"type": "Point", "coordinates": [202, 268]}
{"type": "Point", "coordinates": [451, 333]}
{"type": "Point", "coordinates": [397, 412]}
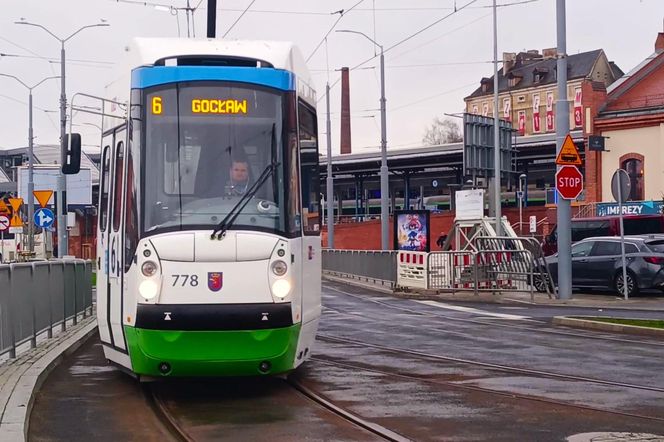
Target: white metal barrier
{"type": "Point", "coordinates": [412, 269]}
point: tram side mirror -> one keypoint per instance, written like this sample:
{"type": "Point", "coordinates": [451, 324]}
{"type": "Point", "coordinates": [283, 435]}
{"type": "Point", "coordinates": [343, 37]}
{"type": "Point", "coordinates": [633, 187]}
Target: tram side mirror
{"type": "Point", "coordinates": [72, 155]}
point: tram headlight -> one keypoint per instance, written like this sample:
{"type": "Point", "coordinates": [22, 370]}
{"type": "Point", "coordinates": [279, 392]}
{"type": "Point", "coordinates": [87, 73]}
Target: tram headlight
{"type": "Point", "coordinates": [279, 268]}
{"type": "Point", "coordinates": [148, 289]}
{"type": "Point", "coordinates": [149, 268]}
{"type": "Point", "coordinates": [281, 288]}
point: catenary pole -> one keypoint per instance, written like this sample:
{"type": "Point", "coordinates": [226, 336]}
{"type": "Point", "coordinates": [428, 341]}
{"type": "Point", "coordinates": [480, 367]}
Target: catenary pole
{"type": "Point", "coordinates": [329, 181]}
{"type": "Point", "coordinates": [564, 229]}
{"type": "Point", "coordinates": [31, 184]}
{"type": "Point", "coordinates": [496, 127]}
{"type": "Point", "coordinates": [384, 171]}
{"type": "Point", "coordinates": [212, 18]}
{"type": "Point", "coordinates": [61, 190]}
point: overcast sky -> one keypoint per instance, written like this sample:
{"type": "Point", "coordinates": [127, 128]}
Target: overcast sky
{"type": "Point", "coordinates": [427, 76]}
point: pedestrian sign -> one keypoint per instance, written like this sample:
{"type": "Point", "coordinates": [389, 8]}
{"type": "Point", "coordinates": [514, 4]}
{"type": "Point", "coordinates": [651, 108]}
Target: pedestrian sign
{"type": "Point", "coordinates": [16, 220]}
{"type": "Point", "coordinates": [43, 196]}
{"type": "Point", "coordinates": [44, 218]}
{"type": "Point", "coordinates": [568, 155]}
{"type": "Point", "coordinates": [4, 223]}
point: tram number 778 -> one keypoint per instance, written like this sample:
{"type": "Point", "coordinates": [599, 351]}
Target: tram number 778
{"type": "Point", "coordinates": [191, 279]}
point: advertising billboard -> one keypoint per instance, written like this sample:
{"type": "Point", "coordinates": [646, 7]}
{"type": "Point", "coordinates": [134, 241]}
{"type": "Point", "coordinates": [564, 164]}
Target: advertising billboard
{"type": "Point", "coordinates": [412, 230]}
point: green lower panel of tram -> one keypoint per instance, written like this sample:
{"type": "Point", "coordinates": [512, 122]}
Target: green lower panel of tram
{"type": "Point", "coordinates": [212, 353]}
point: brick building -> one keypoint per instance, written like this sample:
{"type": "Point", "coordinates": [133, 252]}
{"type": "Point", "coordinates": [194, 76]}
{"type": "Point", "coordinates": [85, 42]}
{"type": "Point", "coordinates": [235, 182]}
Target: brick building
{"type": "Point", "coordinates": [632, 120]}
{"type": "Point", "coordinates": [527, 97]}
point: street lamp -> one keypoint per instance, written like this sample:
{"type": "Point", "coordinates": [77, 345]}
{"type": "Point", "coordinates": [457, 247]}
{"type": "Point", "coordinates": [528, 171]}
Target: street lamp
{"type": "Point", "coordinates": [384, 180]}
{"type": "Point", "coordinates": [61, 216]}
{"type": "Point", "coordinates": [31, 183]}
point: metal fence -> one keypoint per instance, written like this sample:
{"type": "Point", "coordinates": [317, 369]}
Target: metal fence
{"type": "Point", "coordinates": [483, 270]}
{"type": "Point", "coordinates": [37, 296]}
{"type": "Point", "coordinates": [376, 267]}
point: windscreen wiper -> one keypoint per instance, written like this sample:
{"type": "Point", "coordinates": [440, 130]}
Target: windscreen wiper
{"type": "Point", "coordinates": [232, 215]}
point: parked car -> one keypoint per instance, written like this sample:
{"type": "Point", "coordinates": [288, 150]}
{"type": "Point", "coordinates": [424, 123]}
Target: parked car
{"type": "Point", "coordinates": [606, 226]}
{"type": "Point", "coordinates": [597, 264]}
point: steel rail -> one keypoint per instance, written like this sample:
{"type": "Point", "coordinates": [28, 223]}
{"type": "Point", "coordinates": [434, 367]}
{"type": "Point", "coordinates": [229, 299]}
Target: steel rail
{"type": "Point", "coordinates": [489, 365]}
{"type": "Point", "coordinates": [165, 416]}
{"type": "Point", "coordinates": [482, 389]}
{"type": "Point", "coordinates": [354, 419]}
{"type": "Point", "coordinates": [494, 324]}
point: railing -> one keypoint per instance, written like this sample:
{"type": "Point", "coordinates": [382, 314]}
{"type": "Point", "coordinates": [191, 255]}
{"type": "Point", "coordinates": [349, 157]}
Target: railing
{"type": "Point", "coordinates": [376, 267]}
{"type": "Point", "coordinates": [38, 296]}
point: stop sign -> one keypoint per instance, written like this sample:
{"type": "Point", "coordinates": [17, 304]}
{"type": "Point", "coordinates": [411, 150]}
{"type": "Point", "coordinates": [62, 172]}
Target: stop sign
{"type": "Point", "coordinates": [569, 182]}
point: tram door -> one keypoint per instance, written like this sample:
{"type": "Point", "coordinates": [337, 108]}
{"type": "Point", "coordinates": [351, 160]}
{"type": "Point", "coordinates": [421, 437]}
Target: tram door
{"type": "Point", "coordinates": [311, 213]}
{"type": "Point", "coordinates": [102, 241]}
{"type": "Point", "coordinates": [115, 238]}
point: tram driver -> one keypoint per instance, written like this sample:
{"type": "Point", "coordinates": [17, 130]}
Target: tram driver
{"type": "Point", "coordinates": [238, 182]}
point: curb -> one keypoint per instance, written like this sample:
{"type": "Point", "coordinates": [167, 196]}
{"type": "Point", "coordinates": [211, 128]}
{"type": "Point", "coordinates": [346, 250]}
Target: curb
{"type": "Point", "coordinates": [606, 326]}
{"type": "Point", "coordinates": [14, 424]}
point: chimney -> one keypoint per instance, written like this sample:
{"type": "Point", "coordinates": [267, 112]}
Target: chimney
{"type": "Point", "coordinates": [549, 53]}
{"type": "Point", "coordinates": [509, 60]}
{"type": "Point", "coordinates": [659, 43]}
{"type": "Point", "coordinates": [345, 112]}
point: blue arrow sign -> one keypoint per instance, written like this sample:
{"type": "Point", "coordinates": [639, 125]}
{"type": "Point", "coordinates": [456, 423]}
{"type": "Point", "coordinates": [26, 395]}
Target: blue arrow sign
{"type": "Point", "coordinates": [44, 218]}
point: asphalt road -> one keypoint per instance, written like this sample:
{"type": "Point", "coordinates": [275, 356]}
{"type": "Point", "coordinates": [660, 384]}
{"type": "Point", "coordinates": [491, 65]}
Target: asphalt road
{"type": "Point", "coordinates": [426, 370]}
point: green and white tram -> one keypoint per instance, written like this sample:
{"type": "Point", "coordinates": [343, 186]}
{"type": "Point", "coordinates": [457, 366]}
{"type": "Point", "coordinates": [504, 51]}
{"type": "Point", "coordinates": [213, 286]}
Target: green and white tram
{"type": "Point", "coordinates": [209, 220]}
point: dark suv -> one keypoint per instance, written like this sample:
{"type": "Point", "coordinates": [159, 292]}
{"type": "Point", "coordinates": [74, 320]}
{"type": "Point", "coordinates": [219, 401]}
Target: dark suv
{"type": "Point", "coordinates": [596, 263]}
{"type": "Point", "coordinates": [606, 226]}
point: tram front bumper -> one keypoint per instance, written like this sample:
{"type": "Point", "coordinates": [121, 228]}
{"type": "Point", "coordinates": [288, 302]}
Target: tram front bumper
{"type": "Point", "coordinates": [212, 353]}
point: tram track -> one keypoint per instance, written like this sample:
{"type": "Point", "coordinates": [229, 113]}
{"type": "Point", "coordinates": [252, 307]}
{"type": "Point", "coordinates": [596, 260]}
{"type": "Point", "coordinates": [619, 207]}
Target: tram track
{"type": "Point", "coordinates": [167, 419]}
{"type": "Point", "coordinates": [488, 365]}
{"type": "Point", "coordinates": [374, 428]}
{"type": "Point", "coordinates": [171, 422]}
{"type": "Point", "coordinates": [493, 323]}
{"type": "Point", "coordinates": [473, 388]}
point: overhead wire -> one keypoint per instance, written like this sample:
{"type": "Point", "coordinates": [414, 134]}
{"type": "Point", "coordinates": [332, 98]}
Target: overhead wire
{"type": "Point", "coordinates": [341, 13]}
{"type": "Point", "coordinates": [238, 19]}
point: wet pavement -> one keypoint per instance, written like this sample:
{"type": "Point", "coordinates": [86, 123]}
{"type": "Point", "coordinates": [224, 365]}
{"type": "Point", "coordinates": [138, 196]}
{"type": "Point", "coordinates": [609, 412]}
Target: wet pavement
{"type": "Point", "coordinates": [86, 399]}
{"type": "Point", "coordinates": [426, 370]}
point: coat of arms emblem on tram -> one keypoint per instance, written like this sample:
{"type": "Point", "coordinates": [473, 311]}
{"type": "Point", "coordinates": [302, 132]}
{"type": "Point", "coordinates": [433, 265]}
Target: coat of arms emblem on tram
{"type": "Point", "coordinates": [215, 281]}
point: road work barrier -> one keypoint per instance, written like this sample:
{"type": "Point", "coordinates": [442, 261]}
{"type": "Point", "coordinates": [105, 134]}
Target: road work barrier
{"type": "Point", "coordinates": [35, 297]}
{"type": "Point", "coordinates": [374, 267]}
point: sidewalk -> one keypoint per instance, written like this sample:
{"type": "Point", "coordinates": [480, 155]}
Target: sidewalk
{"type": "Point", "coordinates": [20, 378]}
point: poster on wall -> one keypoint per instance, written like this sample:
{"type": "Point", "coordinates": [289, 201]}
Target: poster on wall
{"type": "Point", "coordinates": [522, 122]}
{"type": "Point", "coordinates": [536, 113]}
{"type": "Point", "coordinates": [412, 230]}
{"type": "Point", "coordinates": [549, 112]}
{"type": "Point", "coordinates": [578, 112]}
{"type": "Point", "coordinates": [507, 109]}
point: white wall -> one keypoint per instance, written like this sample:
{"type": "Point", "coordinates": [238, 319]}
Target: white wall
{"type": "Point", "coordinates": [647, 141]}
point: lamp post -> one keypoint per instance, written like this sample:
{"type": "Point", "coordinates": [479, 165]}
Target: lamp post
{"type": "Point", "coordinates": [384, 180]}
{"type": "Point", "coordinates": [61, 188]}
{"type": "Point", "coordinates": [31, 183]}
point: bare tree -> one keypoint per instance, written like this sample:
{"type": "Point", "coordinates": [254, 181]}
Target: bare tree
{"type": "Point", "coordinates": [441, 132]}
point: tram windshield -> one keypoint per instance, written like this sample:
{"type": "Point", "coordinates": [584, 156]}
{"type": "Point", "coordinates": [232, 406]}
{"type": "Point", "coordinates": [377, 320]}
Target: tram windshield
{"type": "Point", "coordinates": [205, 145]}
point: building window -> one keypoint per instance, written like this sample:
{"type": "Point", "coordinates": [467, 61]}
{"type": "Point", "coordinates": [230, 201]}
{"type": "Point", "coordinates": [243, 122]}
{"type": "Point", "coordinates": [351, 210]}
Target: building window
{"type": "Point", "coordinates": [633, 164]}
